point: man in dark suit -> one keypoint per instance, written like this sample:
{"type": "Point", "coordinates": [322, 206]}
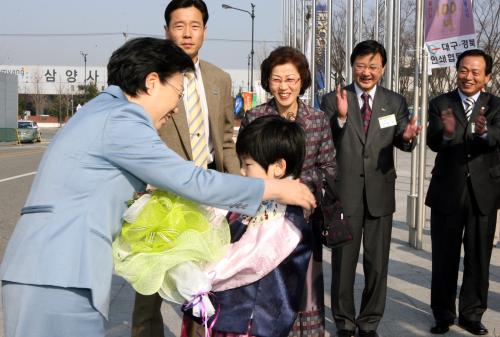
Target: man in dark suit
{"type": "Point", "coordinates": [464, 130]}
{"type": "Point", "coordinates": [367, 121]}
{"type": "Point", "coordinates": [185, 25]}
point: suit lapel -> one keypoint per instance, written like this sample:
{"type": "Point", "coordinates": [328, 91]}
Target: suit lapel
{"type": "Point", "coordinates": [355, 114]}
{"type": "Point", "coordinates": [181, 124]}
{"type": "Point", "coordinates": [481, 104]}
{"type": "Point", "coordinates": [458, 108]}
{"type": "Point", "coordinates": [379, 109]}
{"type": "Point", "coordinates": [212, 95]}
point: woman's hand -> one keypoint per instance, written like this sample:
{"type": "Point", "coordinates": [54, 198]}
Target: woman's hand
{"type": "Point", "coordinates": [289, 192]}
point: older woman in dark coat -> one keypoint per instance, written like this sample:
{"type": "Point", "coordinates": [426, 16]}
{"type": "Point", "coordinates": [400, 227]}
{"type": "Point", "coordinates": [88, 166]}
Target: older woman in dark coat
{"type": "Point", "coordinates": [285, 75]}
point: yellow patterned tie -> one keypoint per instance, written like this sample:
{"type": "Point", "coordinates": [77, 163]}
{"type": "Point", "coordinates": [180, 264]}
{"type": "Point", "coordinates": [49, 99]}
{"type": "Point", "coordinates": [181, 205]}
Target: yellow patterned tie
{"type": "Point", "coordinates": [196, 123]}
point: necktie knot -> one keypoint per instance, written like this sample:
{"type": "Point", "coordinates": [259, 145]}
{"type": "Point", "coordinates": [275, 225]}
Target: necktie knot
{"type": "Point", "coordinates": [365, 97]}
{"type": "Point", "coordinates": [190, 75]}
{"type": "Point", "coordinates": [469, 101]}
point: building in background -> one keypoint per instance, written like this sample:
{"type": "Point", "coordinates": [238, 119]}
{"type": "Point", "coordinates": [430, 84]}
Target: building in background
{"type": "Point", "coordinates": [8, 107]}
{"type": "Point", "coordinates": [55, 80]}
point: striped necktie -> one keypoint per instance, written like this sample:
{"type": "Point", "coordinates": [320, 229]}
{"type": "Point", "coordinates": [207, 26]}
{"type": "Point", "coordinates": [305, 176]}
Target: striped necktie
{"type": "Point", "coordinates": [196, 123]}
{"type": "Point", "coordinates": [469, 104]}
{"type": "Point", "coordinates": [366, 110]}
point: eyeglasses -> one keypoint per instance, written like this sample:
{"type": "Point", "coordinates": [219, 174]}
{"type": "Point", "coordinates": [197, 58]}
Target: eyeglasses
{"type": "Point", "coordinates": [289, 81]}
{"type": "Point", "coordinates": [371, 67]}
{"type": "Point", "coordinates": [179, 91]}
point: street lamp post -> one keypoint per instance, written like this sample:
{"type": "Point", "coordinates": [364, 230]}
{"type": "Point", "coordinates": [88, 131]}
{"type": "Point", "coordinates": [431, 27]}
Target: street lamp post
{"type": "Point", "coordinates": [248, 71]}
{"type": "Point", "coordinates": [85, 68]}
{"type": "Point", "coordinates": [252, 15]}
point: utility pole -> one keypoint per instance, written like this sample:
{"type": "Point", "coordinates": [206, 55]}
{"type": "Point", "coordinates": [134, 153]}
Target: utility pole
{"type": "Point", "coordinates": [85, 67]}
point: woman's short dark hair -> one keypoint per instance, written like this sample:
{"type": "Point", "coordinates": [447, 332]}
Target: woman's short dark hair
{"type": "Point", "coordinates": [369, 47]}
{"type": "Point", "coordinates": [130, 64]}
{"type": "Point", "coordinates": [477, 52]}
{"type": "Point", "coordinates": [270, 138]}
{"type": "Point", "coordinates": [176, 4]}
{"type": "Point", "coordinates": [283, 55]}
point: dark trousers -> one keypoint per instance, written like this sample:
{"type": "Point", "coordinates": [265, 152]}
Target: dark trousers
{"type": "Point", "coordinates": [376, 235]}
{"type": "Point", "coordinates": [146, 317]}
{"type": "Point", "coordinates": [448, 231]}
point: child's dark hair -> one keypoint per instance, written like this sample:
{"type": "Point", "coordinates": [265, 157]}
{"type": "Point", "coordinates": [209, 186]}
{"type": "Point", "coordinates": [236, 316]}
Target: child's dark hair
{"type": "Point", "coordinates": [270, 138]}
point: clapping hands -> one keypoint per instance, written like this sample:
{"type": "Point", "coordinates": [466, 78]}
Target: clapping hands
{"type": "Point", "coordinates": [341, 95]}
{"type": "Point", "coordinates": [448, 121]}
{"type": "Point", "coordinates": [480, 123]}
{"type": "Point", "coordinates": [412, 130]}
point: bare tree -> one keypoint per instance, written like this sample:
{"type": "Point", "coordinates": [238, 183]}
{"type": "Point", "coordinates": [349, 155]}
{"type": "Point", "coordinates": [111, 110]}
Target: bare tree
{"type": "Point", "coordinates": [487, 19]}
{"type": "Point", "coordinates": [38, 98]}
{"type": "Point", "coordinates": [338, 44]}
{"type": "Point", "coordinates": [407, 49]}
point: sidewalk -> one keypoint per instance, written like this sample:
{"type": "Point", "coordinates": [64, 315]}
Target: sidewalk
{"type": "Point", "coordinates": [407, 310]}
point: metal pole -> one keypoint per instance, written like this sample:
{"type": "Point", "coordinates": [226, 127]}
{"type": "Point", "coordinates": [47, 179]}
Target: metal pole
{"type": "Point", "coordinates": [349, 39]}
{"type": "Point", "coordinates": [295, 24]}
{"type": "Point", "coordinates": [289, 13]}
{"type": "Point", "coordinates": [248, 82]}
{"type": "Point", "coordinates": [252, 16]}
{"type": "Point", "coordinates": [376, 20]}
{"type": "Point", "coordinates": [328, 62]}
{"type": "Point", "coordinates": [303, 22]}
{"type": "Point", "coordinates": [389, 31]}
{"type": "Point", "coordinates": [421, 151]}
{"type": "Point", "coordinates": [252, 52]}
{"type": "Point", "coordinates": [397, 30]}
{"type": "Point", "coordinates": [360, 21]}
{"type": "Point", "coordinates": [411, 215]}
{"type": "Point", "coordinates": [85, 68]}
{"type": "Point", "coordinates": [283, 16]}
{"type": "Point", "coordinates": [313, 53]}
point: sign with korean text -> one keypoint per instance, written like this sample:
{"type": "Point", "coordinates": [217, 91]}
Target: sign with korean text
{"type": "Point", "coordinates": [449, 31]}
{"type": "Point", "coordinates": [53, 80]}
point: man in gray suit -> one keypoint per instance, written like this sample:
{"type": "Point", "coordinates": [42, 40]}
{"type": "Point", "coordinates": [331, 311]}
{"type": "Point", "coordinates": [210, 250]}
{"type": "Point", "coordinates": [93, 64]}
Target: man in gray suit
{"type": "Point", "coordinates": [57, 268]}
{"type": "Point", "coordinates": [185, 25]}
{"type": "Point", "coordinates": [367, 121]}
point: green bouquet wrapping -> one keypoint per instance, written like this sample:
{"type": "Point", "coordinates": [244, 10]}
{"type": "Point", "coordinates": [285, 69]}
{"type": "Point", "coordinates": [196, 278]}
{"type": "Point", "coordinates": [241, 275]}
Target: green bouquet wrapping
{"type": "Point", "coordinates": [165, 242]}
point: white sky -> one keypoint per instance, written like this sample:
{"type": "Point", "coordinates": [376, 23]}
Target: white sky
{"type": "Point", "coordinates": [138, 18]}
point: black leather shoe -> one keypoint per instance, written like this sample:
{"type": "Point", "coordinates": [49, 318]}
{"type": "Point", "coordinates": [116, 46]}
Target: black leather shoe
{"type": "Point", "coordinates": [368, 333]}
{"type": "Point", "coordinates": [345, 333]}
{"type": "Point", "coordinates": [441, 327]}
{"type": "Point", "coordinates": [474, 327]}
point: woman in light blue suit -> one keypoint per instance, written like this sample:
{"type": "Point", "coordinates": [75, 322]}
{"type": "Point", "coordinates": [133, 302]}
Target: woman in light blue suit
{"type": "Point", "coordinates": [56, 272]}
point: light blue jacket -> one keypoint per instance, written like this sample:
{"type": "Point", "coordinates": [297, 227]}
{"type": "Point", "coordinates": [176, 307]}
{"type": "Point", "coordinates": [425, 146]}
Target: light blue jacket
{"type": "Point", "coordinates": [106, 152]}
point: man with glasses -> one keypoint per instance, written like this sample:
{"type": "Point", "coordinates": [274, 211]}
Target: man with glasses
{"type": "Point", "coordinates": [201, 131]}
{"type": "Point", "coordinates": [367, 122]}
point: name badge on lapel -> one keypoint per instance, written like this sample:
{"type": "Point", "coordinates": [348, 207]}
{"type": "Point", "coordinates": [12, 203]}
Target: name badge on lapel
{"type": "Point", "coordinates": [387, 121]}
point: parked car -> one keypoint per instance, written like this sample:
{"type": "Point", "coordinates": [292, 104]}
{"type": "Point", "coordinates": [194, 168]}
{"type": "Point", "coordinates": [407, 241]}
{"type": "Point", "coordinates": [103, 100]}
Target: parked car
{"type": "Point", "coordinates": [28, 131]}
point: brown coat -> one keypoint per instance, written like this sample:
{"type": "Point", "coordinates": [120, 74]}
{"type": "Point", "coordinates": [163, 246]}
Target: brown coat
{"type": "Point", "coordinates": [175, 132]}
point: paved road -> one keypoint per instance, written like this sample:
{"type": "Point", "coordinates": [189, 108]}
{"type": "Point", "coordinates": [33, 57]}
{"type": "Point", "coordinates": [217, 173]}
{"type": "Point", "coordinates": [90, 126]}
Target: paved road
{"type": "Point", "coordinates": [407, 310]}
{"type": "Point", "coordinates": [18, 163]}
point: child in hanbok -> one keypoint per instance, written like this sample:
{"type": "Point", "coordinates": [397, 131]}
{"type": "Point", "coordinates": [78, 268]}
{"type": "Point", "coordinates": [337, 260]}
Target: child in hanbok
{"type": "Point", "coordinates": [257, 286]}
